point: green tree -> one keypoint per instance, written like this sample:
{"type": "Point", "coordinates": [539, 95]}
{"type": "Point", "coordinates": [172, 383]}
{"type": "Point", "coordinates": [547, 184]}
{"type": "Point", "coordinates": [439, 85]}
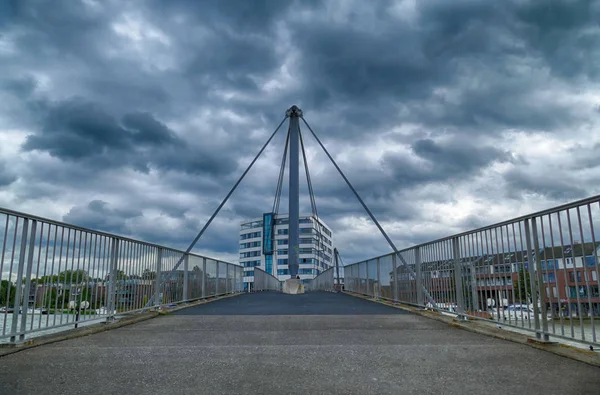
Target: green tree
{"type": "Point", "coordinates": [7, 293]}
{"type": "Point", "coordinates": [522, 287]}
{"type": "Point", "coordinates": [72, 276]}
{"type": "Point", "coordinates": [148, 275]}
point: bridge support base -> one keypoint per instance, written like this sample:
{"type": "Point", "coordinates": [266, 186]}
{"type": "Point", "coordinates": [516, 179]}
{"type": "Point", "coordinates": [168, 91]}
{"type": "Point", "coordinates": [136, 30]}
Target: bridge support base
{"type": "Point", "coordinates": [293, 286]}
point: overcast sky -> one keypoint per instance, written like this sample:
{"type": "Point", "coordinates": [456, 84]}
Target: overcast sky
{"type": "Point", "coordinates": [137, 117]}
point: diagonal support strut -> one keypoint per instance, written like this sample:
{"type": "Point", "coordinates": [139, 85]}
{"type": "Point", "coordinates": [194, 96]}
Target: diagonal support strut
{"type": "Point", "coordinates": [390, 242]}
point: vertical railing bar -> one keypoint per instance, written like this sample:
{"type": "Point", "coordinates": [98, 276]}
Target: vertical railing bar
{"type": "Point", "coordinates": [37, 280]}
{"type": "Point", "coordinates": [499, 263]}
{"type": "Point", "coordinates": [66, 272]}
{"type": "Point", "coordinates": [139, 271]}
{"type": "Point", "coordinates": [18, 292]}
{"type": "Point", "coordinates": [204, 277]}
{"type": "Point", "coordinates": [595, 252]}
{"type": "Point", "coordinates": [510, 266]}
{"type": "Point", "coordinates": [523, 256]}
{"type": "Point", "coordinates": [27, 288]}
{"type": "Point", "coordinates": [532, 277]}
{"type": "Point", "coordinates": [4, 239]}
{"type": "Point", "coordinates": [543, 315]}
{"type": "Point", "coordinates": [129, 277]}
{"type": "Point", "coordinates": [520, 264]}
{"type": "Point", "coordinates": [394, 278]}
{"type": "Point", "coordinates": [186, 275]}
{"type": "Point", "coordinates": [586, 275]}
{"type": "Point", "coordinates": [157, 301]}
{"type": "Point", "coordinates": [93, 289]}
{"type": "Point", "coordinates": [575, 272]}
{"type": "Point", "coordinates": [550, 287]}
{"type": "Point", "coordinates": [564, 259]}
{"type": "Point", "coordinates": [555, 263]}
{"type": "Point", "coordinates": [44, 277]}
{"type": "Point", "coordinates": [76, 316]}
{"type": "Point", "coordinates": [10, 274]}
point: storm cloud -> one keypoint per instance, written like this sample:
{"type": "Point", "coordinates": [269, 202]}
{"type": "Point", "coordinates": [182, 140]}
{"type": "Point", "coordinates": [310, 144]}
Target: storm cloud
{"type": "Point", "coordinates": [137, 118]}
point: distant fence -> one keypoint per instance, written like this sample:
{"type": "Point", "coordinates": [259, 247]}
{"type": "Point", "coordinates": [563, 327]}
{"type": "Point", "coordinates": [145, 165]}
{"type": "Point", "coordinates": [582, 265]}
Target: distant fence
{"type": "Point", "coordinates": [264, 281]}
{"type": "Point", "coordinates": [54, 275]}
{"type": "Point", "coordinates": [538, 272]}
{"type": "Point", "coordinates": [323, 282]}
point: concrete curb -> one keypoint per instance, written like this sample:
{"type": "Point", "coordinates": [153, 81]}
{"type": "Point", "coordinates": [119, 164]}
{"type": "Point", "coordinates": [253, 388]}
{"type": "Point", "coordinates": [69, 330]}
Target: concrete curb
{"type": "Point", "coordinates": [7, 349]}
{"type": "Point", "coordinates": [563, 350]}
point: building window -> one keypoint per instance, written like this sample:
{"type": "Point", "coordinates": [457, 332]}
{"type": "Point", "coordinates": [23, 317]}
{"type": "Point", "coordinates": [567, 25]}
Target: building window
{"type": "Point", "coordinates": [282, 231]}
{"type": "Point", "coordinates": [249, 254]}
{"type": "Point", "coordinates": [249, 273]}
{"type": "Point", "coordinates": [282, 252]}
{"type": "Point", "coordinates": [572, 277]}
{"type": "Point", "coordinates": [305, 221]}
{"type": "Point", "coordinates": [590, 261]}
{"type": "Point", "coordinates": [282, 261]}
{"type": "Point", "coordinates": [282, 272]}
{"type": "Point", "coordinates": [249, 235]}
{"type": "Point", "coordinates": [250, 244]}
{"type": "Point", "coordinates": [269, 264]}
{"type": "Point", "coordinates": [251, 263]}
{"type": "Point", "coordinates": [282, 242]}
{"type": "Point", "coordinates": [549, 277]}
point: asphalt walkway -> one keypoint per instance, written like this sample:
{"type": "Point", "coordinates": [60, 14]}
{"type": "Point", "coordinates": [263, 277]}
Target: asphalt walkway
{"type": "Point", "coordinates": [318, 343]}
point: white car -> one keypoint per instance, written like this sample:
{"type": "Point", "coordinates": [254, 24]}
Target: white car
{"type": "Point", "coordinates": [515, 312]}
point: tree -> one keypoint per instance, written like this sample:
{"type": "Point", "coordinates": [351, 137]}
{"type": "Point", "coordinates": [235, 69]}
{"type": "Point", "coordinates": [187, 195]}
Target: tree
{"type": "Point", "coordinates": [522, 288]}
{"type": "Point", "coordinates": [72, 276]}
{"type": "Point", "coordinates": [148, 275]}
{"type": "Point", "coordinates": [7, 293]}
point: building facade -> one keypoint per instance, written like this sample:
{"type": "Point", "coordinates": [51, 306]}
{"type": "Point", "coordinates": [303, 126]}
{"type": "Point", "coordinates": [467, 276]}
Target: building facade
{"type": "Point", "coordinates": [264, 244]}
{"type": "Point", "coordinates": [569, 275]}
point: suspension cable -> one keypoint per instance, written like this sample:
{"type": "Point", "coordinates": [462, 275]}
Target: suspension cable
{"type": "Point", "coordinates": [281, 174]}
{"type": "Point", "coordinates": [313, 202]}
{"type": "Point", "coordinates": [180, 261]}
{"type": "Point", "coordinates": [390, 242]}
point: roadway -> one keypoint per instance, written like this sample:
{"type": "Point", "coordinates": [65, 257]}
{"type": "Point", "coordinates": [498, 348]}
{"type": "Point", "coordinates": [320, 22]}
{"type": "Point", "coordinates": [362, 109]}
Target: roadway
{"type": "Point", "coordinates": [271, 343]}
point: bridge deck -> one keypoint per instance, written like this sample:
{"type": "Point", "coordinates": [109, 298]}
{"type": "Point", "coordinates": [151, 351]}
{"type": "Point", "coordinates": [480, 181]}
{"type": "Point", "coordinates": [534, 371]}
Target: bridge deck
{"type": "Point", "coordinates": [317, 343]}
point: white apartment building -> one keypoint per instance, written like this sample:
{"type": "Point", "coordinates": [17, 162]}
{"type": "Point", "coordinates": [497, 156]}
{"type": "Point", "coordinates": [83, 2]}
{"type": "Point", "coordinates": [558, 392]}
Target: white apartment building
{"type": "Point", "coordinates": [264, 244]}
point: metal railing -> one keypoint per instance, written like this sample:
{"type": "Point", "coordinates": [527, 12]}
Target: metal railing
{"type": "Point", "coordinates": [56, 276]}
{"type": "Point", "coordinates": [538, 273]}
{"type": "Point", "coordinates": [264, 281]}
{"type": "Point", "coordinates": [323, 282]}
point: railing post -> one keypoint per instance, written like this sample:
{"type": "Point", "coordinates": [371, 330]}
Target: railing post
{"type": "Point", "coordinates": [204, 275]}
{"type": "Point", "coordinates": [419, 285]}
{"type": "Point", "coordinates": [218, 279]}
{"type": "Point", "coordinates": [26, 290]}
{"type": "Point", "coordinates": [112, 282]}
{"type": "Point", "coordinates": [535, 276]}
{"type": "Point", "coordinates": [157, 301]}
{"type": "Point", "coordinates": [531, 267]}
{"type": "Point", "coordinates": [540, 281]}
{"type": "Point", "coordinates": [226, 278]}
{"type": "Point", "coordinates": [19, 291]}
{"type": "Point", "coordinates": [186, 263]}
{"type": "Point", "coordinates": [395, 278]}
{"type": "Point", "coordinates": [458, 277]}
{"type": "Point", "coordinates": [377, 293]}
{"type": "Point", "coordinates": [234, 282]}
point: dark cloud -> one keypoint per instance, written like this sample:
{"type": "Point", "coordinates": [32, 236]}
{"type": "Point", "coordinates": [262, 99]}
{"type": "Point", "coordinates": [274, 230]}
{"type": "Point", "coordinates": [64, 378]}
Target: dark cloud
{"type": "Point", "coordinates": [150, 111]}
{"type": "Point", "coordinates": [6, 176]}
{"type": "Point", "coordinates": [80, 131]}
{"type": "Point", "coordinates": [520, 183]}
{"type": "Point", "coordinates": [100, 216]}
{"type": "Point", "coordinates": [441, 162]}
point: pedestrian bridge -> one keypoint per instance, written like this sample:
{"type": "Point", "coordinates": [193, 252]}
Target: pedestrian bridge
{"type": "Point", "coordinates": [272, 343]}
{"type": "Point", "coordinates": [431, 318]}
